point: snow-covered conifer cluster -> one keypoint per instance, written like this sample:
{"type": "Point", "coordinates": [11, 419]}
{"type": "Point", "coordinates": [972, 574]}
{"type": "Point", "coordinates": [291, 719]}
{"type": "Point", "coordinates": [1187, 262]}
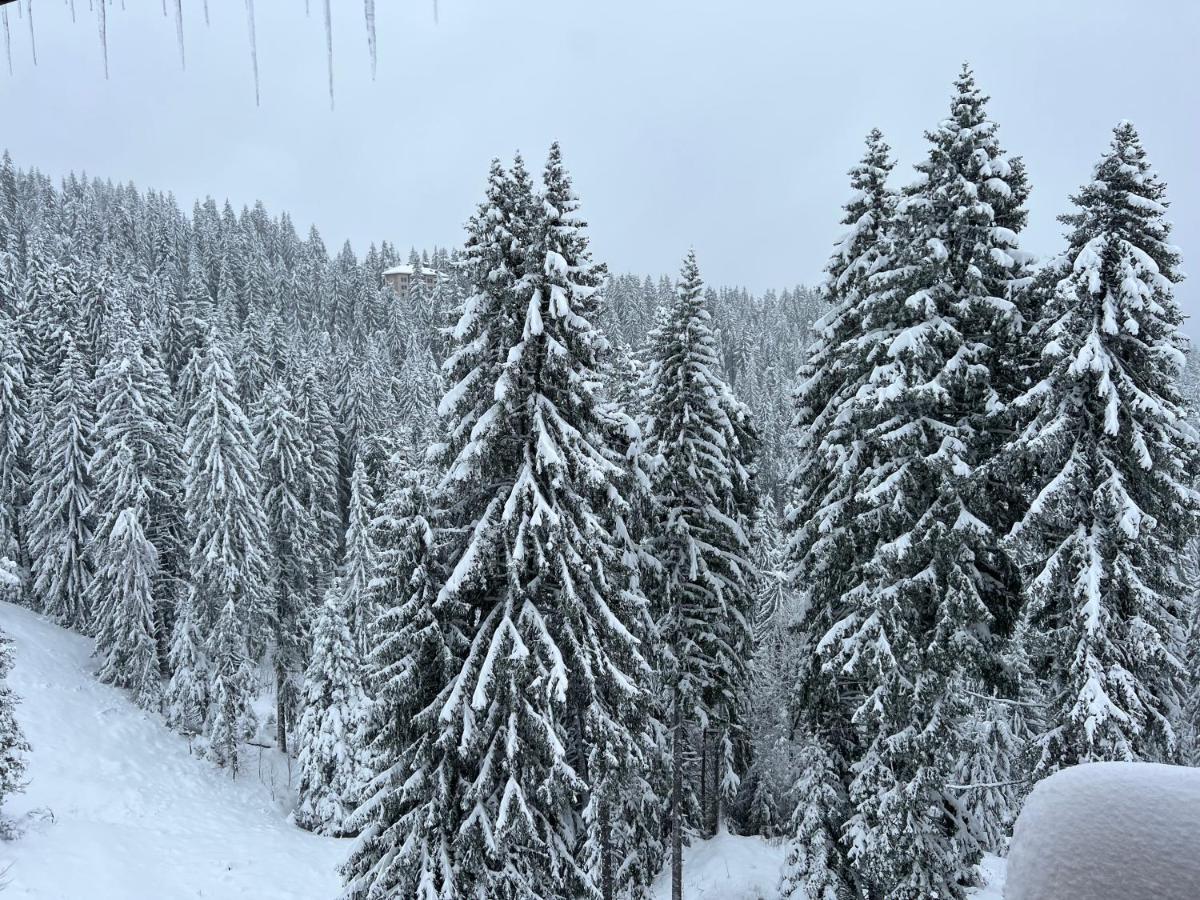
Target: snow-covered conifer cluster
{"type": "Point", "coordinates": [541, 573]}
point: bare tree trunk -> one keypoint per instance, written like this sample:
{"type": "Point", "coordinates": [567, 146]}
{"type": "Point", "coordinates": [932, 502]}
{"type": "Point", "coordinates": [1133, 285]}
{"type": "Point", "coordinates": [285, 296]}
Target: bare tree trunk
{"type": "Point", "coordinates": [280, 711]}
{"type": "Point", "coordinates": [703, 823]}
{"type": "Point", "coordinates": [606, 873]}
{"type": "Point", "coordinates": [676, 802]}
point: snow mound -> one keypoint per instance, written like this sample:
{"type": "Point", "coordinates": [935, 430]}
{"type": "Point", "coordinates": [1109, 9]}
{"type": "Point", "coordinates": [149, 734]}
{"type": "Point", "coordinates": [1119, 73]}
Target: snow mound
{"type": "Point", "coordinates": [117, 809]}
{"type": "Point", "coordinates": [1109, 831]}
{"type": "Point", "coordinates": [727, 867]}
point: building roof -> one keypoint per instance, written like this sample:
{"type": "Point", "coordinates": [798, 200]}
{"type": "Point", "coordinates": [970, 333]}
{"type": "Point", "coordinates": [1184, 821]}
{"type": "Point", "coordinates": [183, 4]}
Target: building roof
{"type": "Point", "coordinates": [408, 270]}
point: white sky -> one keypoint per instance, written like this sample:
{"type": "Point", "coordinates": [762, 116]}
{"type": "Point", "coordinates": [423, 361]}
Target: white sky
{"type": "Point", "coordinates": [727, 125]}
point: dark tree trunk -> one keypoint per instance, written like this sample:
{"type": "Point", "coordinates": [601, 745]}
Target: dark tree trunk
{"type": "Point", "coordinates": [676, 804]}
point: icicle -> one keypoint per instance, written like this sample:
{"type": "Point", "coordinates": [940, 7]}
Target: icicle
{"type": "Point", "coordinates": [206, 22]}
{"type": "Point", "coordinates": [435, 12]}
{"type": "Point", "coordinates": [369, 11]}
{"type": "Point", "coordinates": [307, 11]}
{"type": "Point", "coordinates": [179, 31]}
{"type": "Point", "coordinates": [7, 39]}
{"type": "Point", "coordinates": [72, 12]}
{"type": "Point", "coordinates": [253, 48]}
{"type": "Point", "coordinates": [32, 39]}
{"type": "Point", "coordinates": [102, 22]}
{"type": "Point", "coordinates": [329, 48]}
{"type": "Point", "coordinates": [164, 9]}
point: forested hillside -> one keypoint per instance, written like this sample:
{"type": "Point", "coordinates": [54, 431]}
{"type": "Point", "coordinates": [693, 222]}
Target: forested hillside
{"type": "Point", "coordinates": [541, 572]}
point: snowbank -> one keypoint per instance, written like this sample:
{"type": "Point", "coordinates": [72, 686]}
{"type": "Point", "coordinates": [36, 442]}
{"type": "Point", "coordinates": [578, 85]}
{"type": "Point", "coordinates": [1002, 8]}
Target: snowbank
{"type": "Point", "coordinates": [116, 808]}
{"type": "Point", "coordinates": [1109, 831]}
{"type": "Point", "coordinates": [728, 867]}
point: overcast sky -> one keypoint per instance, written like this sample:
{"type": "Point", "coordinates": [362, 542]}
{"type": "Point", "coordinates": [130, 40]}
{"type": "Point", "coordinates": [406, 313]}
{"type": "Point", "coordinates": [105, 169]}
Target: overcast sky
{"type": "Point", "coordinates": [725, 125]}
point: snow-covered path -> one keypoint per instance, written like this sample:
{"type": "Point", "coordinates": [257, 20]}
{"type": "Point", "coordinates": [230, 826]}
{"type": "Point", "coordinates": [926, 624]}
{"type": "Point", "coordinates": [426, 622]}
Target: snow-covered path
{"type": "Point", "coordinates": [135, 817]}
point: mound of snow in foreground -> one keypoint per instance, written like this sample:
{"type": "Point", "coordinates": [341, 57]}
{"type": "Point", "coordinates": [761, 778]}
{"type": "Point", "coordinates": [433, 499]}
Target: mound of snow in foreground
{"type": "Point", "coordinates": [116, 808]}
{"type": "Point", "coordinates": [1109, 831]}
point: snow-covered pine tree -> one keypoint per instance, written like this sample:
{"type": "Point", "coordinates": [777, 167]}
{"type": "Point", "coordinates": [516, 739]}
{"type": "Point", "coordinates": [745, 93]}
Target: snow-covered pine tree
{"type": "Point", "coordinates": [418, 389]}
{"type": "Point", "coordinates": [925, 620]}
{"type": "Point", "coordinates": [705, 583]}
{"type": "Point", "coordinates": [137, 464]}
{"type": "Point", "coordinates": [228, 571]}
{"type": "Point", "coordinates": [313, 409]}
{"type": "Point", "coordinates": [917, 620]}
{"type": "Point", "coordinates": [13, 428]}
{"type": "Point", "coordinates": [407, 819]}
{"type": "Point", "coordinates": [1115, 503]}
{"type": "Point", "coordinates": [60, 530]}
{"type": "Point", "coordinates": [533, 575]}
{"type": "Point", "coordinates": [283, 457]}
{"type": "Point", "coordinates": [767, 790]}
{"type": "Point", "coordinates": [333, 706]}
{"type": "Point", "coordinates": [552, 664]}
{"type": "Point", "coordinates": [187, 692]}
{"type": "Point", "coordinates": [13, 745]}
{"type": "Point", "coordinates": [126, 635]}
{"type": "Point", "coordinates": [827, 542]}
{"type": "Point", "coordinates": [231, 718]}
{"type": "Point", "coordinates": [359, 600]}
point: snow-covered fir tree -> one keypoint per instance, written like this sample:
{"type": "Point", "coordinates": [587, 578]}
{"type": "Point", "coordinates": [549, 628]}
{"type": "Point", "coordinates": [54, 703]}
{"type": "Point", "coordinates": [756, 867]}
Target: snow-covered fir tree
{"type": "Point", "coordinates": [704, 588]}
{"type": "Point", "coordinates": [13, 425]}
{"type": "Point", "coordinates": [231, 719]}
{"type": "Point", "coordinates": [333, 706]}
{"type": "Point", "coordinates": [929, 595]}
{"type": "Point", "coordinates": [550, 665]}
{"type": "Point", "coordinates": [137, 465]}
{"type": "Point", "coordinates": [126, 636]}
{"type": "Point", "coordinates": [228, 570]}
{"type": "Point", "coordinates": [1115, 504]}
{"type": "Point", "coordinates": [283, 457]}
{"type": "Point", "coordinates": [60, 523]}
{"type": "Point", "coordinates": [408, 780]}
{"type": "Point", "coordinates": [13, 746]}
{"type": "Point", "coordinates": [827, 541]}
{"type": "Point", "coordinates": [360, 600]}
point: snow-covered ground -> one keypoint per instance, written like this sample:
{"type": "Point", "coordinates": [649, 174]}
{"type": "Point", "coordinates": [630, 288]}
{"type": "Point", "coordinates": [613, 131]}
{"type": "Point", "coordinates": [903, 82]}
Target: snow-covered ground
{"type": "Point", "coordinates": [728, 867]}
{"type": "Point", "coordinates": [117, 809]}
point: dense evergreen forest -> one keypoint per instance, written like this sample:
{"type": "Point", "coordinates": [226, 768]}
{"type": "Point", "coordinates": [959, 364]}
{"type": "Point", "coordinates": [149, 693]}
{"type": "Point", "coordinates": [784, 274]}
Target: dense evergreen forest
{"type": "Point", "coordinates": [540, 572]}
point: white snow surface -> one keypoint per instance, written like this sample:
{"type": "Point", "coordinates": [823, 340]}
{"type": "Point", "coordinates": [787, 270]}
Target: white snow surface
{"type": "Point", "coordinates": [116, 807]}
{"type": "Point", "coordinates": [1109, 831]}
{"type": "Point", "coordinates": [728, 867]}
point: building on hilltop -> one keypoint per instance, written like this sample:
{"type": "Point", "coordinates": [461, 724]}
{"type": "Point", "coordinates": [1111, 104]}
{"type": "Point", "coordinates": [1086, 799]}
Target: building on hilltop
{"type": "Point", "coordinates": [399, 277]}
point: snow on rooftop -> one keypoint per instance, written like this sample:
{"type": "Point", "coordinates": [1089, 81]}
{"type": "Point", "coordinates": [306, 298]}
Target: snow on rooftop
{"type": "Point", "coordinates": [408, 270]}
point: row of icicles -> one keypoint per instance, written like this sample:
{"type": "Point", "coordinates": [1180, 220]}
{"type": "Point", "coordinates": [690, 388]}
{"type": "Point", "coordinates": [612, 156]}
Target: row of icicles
{"type": "Point", "coordinates": [100, 7]}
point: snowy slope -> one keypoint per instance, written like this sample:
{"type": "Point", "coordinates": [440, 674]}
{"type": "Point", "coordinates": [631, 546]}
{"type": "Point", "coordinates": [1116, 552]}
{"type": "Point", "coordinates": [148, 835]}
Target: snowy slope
{"type": "Point", "coordinates": [135, 817]}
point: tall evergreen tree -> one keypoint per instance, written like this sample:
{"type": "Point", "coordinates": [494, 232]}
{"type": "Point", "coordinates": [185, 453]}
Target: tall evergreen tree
{"type": "Point", "coordinates": [231, 718]}
{"type": "Point", "coordinates": [358, 564]}
{"type": "Point", "coordinates": [913, 592]}
{"type": "Point", "coordinates": [228, 571]}
{"type": "Point", "coordinates": [333, 704]}
{"type": "Point", "coordinates": [704, 616]}
{"type": "Point", "coordinates": [13, 433]}
{"type": "Point", "coordinates": [1114, 505]}
{"type": "Point", "coordinates": [126, 636]}
{"type": "Point", "coordinates": [60, 510]}
{"type": "Point", "coordinates": [283, 456]}
{"type": "Point", "coordinates": [406, 816]}
{"type": "Point", "coordinates": [137, 464]}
